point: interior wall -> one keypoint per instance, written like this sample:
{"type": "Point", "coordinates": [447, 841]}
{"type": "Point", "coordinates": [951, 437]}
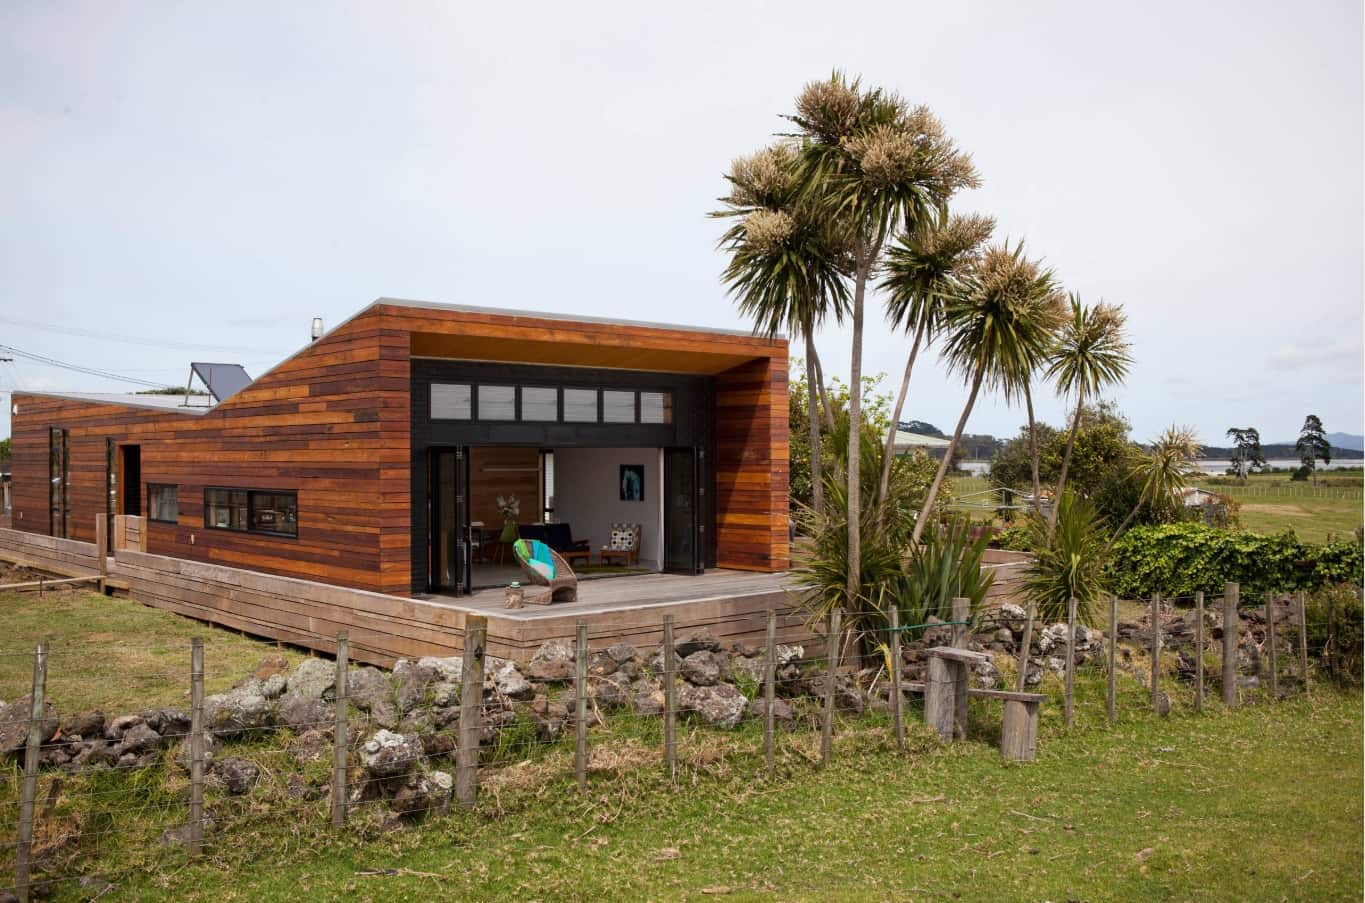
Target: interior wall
{"type": "Point", "coordinates": [588, 496]}
{"type": "Point", "coordinates": [504, 471]}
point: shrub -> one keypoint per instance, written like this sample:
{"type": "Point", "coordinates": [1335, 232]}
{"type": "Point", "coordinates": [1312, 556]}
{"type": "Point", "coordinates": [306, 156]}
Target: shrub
{"type": "Point", "coordinates": [1072, 565]}
{"type": "Point", "coordinates": [1336, 632]}
{"type": "Point", "coordinates": [1180, 559]}
{"type": "Point", "coordinates": [1015, 539]}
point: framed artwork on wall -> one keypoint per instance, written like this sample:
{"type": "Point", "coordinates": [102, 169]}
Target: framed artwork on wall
{"type": "Point", "coordinates": [632, 482]}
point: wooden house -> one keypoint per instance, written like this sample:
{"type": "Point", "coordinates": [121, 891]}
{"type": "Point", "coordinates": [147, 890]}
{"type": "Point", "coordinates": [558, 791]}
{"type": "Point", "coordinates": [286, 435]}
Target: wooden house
{"type": "Point", "coordinates": [373, 457]}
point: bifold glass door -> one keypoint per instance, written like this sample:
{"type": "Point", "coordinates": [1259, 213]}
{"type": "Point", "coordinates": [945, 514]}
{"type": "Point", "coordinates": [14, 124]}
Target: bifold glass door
{"type": "Point", "coordinates": [683, 549]}
{"type": "Point", "coordinates": [449, 521]}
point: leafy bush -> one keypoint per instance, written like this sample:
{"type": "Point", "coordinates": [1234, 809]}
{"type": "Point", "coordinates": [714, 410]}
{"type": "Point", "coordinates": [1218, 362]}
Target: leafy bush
{"type": "Point", "coordinates": [1180, 559]}
{"type": "Point", "coordinates": [1336, 632]}
{"type": "Point", "coordinates": [945, 566]}
{"type": "Point", "coordinates": [1015, 539]}
{"type": "Point", "coordinates": [1072, 565]}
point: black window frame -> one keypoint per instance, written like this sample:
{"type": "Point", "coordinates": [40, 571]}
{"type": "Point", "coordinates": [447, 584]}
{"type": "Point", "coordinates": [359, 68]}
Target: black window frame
{"type": "Point", "coordinates": [59, 481]}
{"type": "Point", "coordinates": [431, 405]}
{"type": "Point", "coordinates": [174, 487]}
{"type": "Point", "coordinates": [251, 510]}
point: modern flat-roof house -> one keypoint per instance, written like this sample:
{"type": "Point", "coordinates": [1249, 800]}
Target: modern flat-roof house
{"type": "Point", "coordinates": [375, 457]}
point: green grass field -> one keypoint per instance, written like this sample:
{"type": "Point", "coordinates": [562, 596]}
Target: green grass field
{"type": "Point", "coordinates": [1272, 503]}
{"type": "Point", "coordinates": [1263, 802]}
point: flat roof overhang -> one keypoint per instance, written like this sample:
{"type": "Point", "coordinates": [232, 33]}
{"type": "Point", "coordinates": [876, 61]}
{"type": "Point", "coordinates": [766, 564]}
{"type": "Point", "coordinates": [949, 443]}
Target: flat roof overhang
{"type": "Point", "coordinates": [571, 354]}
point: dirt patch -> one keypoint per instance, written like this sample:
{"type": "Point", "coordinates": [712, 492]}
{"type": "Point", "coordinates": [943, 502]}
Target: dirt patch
{"type": "Point", "coordinates": [1284, 510]}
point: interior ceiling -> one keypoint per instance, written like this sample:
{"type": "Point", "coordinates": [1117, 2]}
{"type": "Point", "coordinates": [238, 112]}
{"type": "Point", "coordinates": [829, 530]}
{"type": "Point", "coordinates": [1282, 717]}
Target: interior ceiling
{"type": "Point", "coordinates": [567, 354]}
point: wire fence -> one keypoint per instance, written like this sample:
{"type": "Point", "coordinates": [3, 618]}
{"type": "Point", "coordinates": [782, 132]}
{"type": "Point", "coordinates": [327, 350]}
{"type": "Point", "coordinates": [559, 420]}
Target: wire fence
{"type": "Point", "coordinates": [94, 800]}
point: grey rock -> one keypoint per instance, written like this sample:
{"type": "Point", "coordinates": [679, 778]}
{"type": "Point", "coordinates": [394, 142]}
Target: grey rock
{"type": "Point", "coordinates": [631, 668]}
{"type": "Point", "coordinates": [450, 669]}
{"type": "Point", "coordinates": [413, 684]}
{"type": "Point", "coordinates": [622, 652]}
{"type": "Point", "coordinates": [169, 723]}
{"type": "Point", "coordinates": [936, 636]}
{"type": "Point", "coordinates": [387, 755]}
{"type": "Point", "coordinates": [239, 710]}
{"type": "Point", "coordinates": [600, 665]}
{"type": "Point", "coordinates": [139, 739]}
{"type": "Point", "coordinates": [422, 792]}
{"type": "Point", "coordinates": [655, 664]}
{"type": "Point", "coordinates": [552, 662]}
{"type": "Point", "coordinates": [548, 717]}
{"type": "Point", "coordinates": [697, 641]}
{"type": "Point", "coordinates": [312, 678]}
{"type": "Point", "coordinates": [647, 697]}
{"type": "Point", "coordinates": [115, 729]}
{"type": "Point", "coordinates": [784, 713]}
{"type": "Point", "coordinates": [720, 706]}
{"type": "Point", "coordinates": [789, 655]}
{"type": "Point", "coordinates": [181, 836]}
{"type": "Point", "coordinates": [270, 666]}
{"type": "Point", "coordinates": [1004, 635]}
{"type": "Point", "coordinates": [1012, 614]}
{"type": "Point", "coordinates": [612, 691]}
{"type": "Point", "coordinates": [750, 667]}
{"type": "Point", "coordinates": [300, 713]}
{"type": "Point", "coordinates": [86, 725]}
{"type": "Point", "coordinates": [369, 690]}
{"type": "Point", "coordinates": [986, 675]}
{"type": "Point", "coordinates": [510, 683]}
{"type": "Point", "coordinates": [273, 687]}
{"type": "Point", "coordinates": [182, 751]}
{"type": "Point", "coordinates": [238, 775]}
{"type": "Point", "coordinates": [310, 746]}
{"type": "Point", "coordinates": [701, 669]}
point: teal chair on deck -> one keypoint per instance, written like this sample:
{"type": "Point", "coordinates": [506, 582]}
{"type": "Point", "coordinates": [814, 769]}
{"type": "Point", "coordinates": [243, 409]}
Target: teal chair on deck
{"type": "Point", "coordinates": [546, 567]}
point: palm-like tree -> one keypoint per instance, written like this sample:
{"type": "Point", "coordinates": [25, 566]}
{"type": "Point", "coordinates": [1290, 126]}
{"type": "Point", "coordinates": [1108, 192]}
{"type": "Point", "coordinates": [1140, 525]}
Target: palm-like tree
{"type": "Point", "coordinates": [997, 323]}
{"type": "Point", "coordinates": [1091, 353]}
{"type": "Point", "coordinates": [786, 268]}
{"type": "Point", "coordinates": [1163, 472]}
{"type": "Point", "coordinates": [920, 269]}
{"type": "Point", "coordinates": [871, 163]}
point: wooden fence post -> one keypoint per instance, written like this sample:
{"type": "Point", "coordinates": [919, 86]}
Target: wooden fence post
{"type": "Point", "coordinates": [339, 739]}
{"type": "Point", "coordinates": [471, 711]}
{"type": "Point", "coordinates": [1111, 697]}
{"type": "Point", "coordinates": [580, 691]}
{"type": "Point", "coordinates": [832, 664]}
{"type": "Point", "coordinates": [670, 701]}
{"type": "Point", "coordinates": [770, 691]}
{"type": "Point", "coordinates": [196, 747]}
{"type": "Point", "coordinates": [962, 613]}
{"type": "Point", "coordinates": [1199, 651]}
{"type": "Point", "coordinates": [897, 715]}
{"type": "Point", "coordinates": [1156, 650]}
{"type": "Point", "coordinates": [1230, 592]}
{"type": "Point", "coordinates": [1270, 606]}
{"type": "Point", "coordinates": [24, 854]}
{"type": "Point", "coordinates": [1303, 641]}
{"type": "Point", "coordinates": [1069, 698]}
{"type": "Point", "coordinates": [1024, 649]}
{"type": "Point", "coordinates": [102, 543]}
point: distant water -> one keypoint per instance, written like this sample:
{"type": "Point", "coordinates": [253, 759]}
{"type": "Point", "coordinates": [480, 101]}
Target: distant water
{"type": "Point", "coordinates": [983, 468]}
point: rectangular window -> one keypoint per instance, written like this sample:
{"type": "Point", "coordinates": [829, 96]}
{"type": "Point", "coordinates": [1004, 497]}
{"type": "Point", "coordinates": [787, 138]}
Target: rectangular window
{"type": "Point", "coordinates": [252, 511]}
{"type": "Point", "coordinates": [539, 403]}
{"type": "Point", "coordinates": [497, 402]}
{"type": "Point", "coordinates": [618, 407]}
{"type": "Point", "coordinates": [59, 472]}
{"type": "Point", "coordinates": [163, 503]}
{"type": "Point", "coordinates": [274, 512]}
{"type": "Point", "coordinates": [656, 407]}
{"type": "Point", "coordinates": [580, 405]}
{"type": "Point", "coordinates": [225, 509]}
{"type": "Point", "coordinates": [451, 401]}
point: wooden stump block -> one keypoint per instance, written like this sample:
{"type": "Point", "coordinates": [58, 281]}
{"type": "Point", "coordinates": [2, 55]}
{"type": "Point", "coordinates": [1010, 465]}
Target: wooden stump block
{"type": "Point", "coordinates": [940, 696]}
{"type": "Point", "coordinates": [1019, 731]}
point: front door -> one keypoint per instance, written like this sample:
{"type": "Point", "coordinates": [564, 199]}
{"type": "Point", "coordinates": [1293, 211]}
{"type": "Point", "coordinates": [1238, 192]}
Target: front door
{"type": "Point", "coordinates": [130, 463]}
{"type": "Point", "coordinates": [448, 521]}
{"type": "Point", "coordinates": [682, 520]}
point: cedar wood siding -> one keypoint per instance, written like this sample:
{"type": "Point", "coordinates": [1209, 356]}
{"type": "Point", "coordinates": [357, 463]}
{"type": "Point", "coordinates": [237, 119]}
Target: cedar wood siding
{"type": "Point", "coordinates": [330, 423]}
{"type": "Point", "coordinates": [333, 423]}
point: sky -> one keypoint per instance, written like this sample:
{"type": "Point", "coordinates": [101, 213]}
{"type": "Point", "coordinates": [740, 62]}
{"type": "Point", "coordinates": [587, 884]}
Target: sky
{"type": "Point", "coordinates": [198, 181]}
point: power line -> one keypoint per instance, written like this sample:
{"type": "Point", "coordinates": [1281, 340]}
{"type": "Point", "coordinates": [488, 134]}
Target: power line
{"type": "Point", "coordinates": [134, 340]}
{"type": "Point", "coordinates": [77, 368]}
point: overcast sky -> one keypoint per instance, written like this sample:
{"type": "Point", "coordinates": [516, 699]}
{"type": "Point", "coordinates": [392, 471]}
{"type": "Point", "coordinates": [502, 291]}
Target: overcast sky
{"type": "Point", "coordinates": [182, 175]}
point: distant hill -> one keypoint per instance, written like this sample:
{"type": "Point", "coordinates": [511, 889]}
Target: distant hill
{"type": "Point", "coordinates": [1280, 450]}
{"type": "Point", "coordinates": [1346, 440]}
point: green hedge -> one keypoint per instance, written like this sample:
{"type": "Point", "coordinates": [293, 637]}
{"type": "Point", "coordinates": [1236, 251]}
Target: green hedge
{"type": "Point", "coordinates": [1179, 559]}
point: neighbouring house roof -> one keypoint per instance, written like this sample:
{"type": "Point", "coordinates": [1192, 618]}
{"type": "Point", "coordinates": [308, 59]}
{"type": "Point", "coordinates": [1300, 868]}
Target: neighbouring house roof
{"type": "Point", "coordinates": [1193, 495]}
{"type": "Point", "coordinates": [907, 441]}
{"type": "Point", "coordinates": [168, 403]}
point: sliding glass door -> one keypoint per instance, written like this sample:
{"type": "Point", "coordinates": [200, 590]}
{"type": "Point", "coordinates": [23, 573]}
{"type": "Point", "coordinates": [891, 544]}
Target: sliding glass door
{"type": "Point", "coordinates": [683, 548]}
{"type": "Point", "coordinates": [449, 546]}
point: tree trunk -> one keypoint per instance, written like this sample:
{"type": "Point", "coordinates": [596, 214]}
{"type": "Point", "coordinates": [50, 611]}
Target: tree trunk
{"type": "Point", "coordinates": [1066, 462]}
{"type": "Point", "coordinates": [824, 396]}
{"type": "Point", "coordinates": [947, 456]}
{"type": "Point", "coordinates": [1123, 526]}
{"type": "Point", "coordinates": [817, 464]}
{"type": "Point", "coordinates": [889, 450]}
{"type": "Point", "coordinates": [855, 429]}
{"type": "Point", "coordinates": [1033, 448]}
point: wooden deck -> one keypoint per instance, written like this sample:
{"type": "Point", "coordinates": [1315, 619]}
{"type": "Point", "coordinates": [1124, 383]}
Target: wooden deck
{"type": "Point", "coordinates": [733, 605]}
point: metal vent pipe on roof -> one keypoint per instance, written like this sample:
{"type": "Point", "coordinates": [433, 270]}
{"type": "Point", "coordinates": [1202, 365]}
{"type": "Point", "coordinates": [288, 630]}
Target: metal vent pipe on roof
{"type": "Point", "coordinates": [317, 328]}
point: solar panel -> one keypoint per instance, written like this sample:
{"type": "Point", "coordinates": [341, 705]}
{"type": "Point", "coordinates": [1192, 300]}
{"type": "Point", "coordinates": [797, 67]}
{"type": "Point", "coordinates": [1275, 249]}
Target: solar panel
{"type": "Point", "coordinates": [222, 380]}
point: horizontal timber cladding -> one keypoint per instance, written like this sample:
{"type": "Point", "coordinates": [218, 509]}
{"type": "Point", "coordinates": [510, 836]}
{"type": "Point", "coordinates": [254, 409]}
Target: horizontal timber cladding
{"type": "Point", "coordinates": [752, 467]}
{"type": "Point", "coordinates": [338, 439]}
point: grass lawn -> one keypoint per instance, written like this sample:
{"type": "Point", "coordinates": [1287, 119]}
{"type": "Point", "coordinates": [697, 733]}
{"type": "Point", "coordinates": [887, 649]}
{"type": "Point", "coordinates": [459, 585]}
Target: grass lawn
{"type": "Point", "coordinates": [1271, 503]}
{"type": "Point", "coordinates": [115, 654]}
